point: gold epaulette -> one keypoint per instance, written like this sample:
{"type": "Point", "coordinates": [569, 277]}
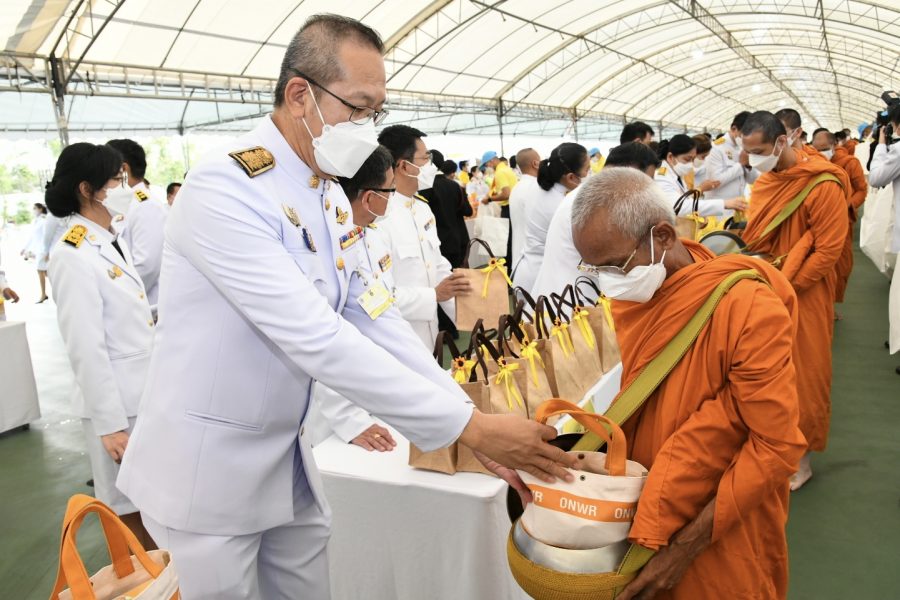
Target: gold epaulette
{"type": "Point", "coordinates": [254, 160]}
{"type": "Point", "coordinates": [662, 171]}
{"type": "Point", "coordinates": [75, 235]}
{"type": "Point", "coordinates": [420, 197]}
{"type": "Point", "coordinates": [141, 196]}
{"type": "Point", "coordinates": [719, 141]}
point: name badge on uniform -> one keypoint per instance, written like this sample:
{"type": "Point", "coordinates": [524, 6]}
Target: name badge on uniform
{"type": "Point", "coordinates": [729, 155]}
{"type": "Point", "coordinates": [351, 237]}
{"type": "Point", "coordinates": [375, 300]}
{"type": "Point", "coordinates": [115, 272]}
{"type": "Point", "coordinates": [385, 263]}
{"type": "Point", "coordinates": [429, 224]}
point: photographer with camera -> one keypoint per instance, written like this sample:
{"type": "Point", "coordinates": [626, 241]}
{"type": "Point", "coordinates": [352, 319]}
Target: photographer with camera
{"type": "Point", "coordinates": [885, 171]}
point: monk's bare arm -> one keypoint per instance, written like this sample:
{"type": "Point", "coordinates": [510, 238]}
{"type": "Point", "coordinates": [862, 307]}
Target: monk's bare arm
{"type": "Point", "coordinates": [828, 223]}
{"type": "Point", "coordinates": [667, 567]}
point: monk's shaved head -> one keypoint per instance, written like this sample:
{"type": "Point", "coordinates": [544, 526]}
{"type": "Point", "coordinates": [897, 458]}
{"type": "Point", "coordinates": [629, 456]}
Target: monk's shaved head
{"type": "Point", "coordinates": [823, 139]}
{"type": "Point", "coordinates": [630, 201]}
{"type": "Point", "coordinates": [769, 125]}
{"type": "Point", "coordinates": [789, 117]}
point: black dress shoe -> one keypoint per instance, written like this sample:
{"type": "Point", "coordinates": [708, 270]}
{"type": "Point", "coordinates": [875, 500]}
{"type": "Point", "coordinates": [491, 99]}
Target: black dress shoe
{"type": "Point", "coordinates": [90, 483]}
{"type": "Point", "coordinates": [897, 370]}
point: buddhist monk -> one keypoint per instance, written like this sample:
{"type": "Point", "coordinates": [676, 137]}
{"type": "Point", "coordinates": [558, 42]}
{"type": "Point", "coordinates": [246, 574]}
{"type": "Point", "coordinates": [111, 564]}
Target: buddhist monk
{"type": "Point", "coordinates": [825, 142]}
{"type": "Point", "coordinates": [720, 436]}
{"type": "Point", "coordinates": [807, 245]}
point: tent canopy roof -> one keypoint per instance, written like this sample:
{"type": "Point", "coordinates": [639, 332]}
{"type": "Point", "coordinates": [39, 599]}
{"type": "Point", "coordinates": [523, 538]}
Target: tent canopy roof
{"type": "Point", "coordinates": [456, 65]}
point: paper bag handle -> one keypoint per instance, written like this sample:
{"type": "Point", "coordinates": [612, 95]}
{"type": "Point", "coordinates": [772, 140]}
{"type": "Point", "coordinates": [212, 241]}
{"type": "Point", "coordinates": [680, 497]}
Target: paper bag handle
{"type": "Point", "coordinates": [119, 540]}
{"type": "Point", "coordinates": [599, 425]}
{"type": "Point", "coordinates": [695, 194]}
{"type": "Point", "coordinates": [472, 242]}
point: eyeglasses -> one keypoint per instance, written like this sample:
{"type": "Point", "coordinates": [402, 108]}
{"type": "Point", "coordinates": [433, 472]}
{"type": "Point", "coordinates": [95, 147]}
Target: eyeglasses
{"type": "Point", "coordinates": [359, 115]}
{"type": "Point", "coordinates": [611, 269]}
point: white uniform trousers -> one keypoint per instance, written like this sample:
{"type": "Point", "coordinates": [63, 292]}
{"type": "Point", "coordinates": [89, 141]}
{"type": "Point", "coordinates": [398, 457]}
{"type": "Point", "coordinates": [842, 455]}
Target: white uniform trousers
{"type": "Point", "coordinates": [894, 310]}
{"type": "Point", "coordinates": [105, 470]}
{"type": "Point", "coordinates": [288, 562]}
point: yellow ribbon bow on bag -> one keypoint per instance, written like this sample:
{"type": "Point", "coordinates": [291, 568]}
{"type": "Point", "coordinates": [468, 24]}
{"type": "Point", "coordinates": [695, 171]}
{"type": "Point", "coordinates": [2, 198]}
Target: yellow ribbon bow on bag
{"type": "Point", "coordinates": [561, 331]}
{"type": "Point", "coordinates": [462, 370]}
{"type": "Point", "coordinates": [496, 264]}
{"type": "Point", "coordinates": [607, 310]}
{"type": "Point", "coordinates": [505, 378]}
{"type": "Point", "coordinates": [530, 352]}
{"type": "Point", "coordinates": [581, 317]}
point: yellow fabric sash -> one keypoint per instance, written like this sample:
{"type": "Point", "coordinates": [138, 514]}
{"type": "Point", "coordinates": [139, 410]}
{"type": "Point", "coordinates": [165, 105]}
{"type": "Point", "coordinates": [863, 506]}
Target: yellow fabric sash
{"type": "Point", "coordinates": [496, 264]}
{"type": "Point", "coordinates": [580, 317]}
{"type": "Point", "coordinates": [530, 352]}
{"type": "Point", "coordinates": [505, 378]}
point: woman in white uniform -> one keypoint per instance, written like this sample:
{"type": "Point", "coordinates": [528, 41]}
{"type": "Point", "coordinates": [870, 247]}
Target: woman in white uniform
{"type": "Point", "coordinates": [103, 313]}
{"type": "Point", "coordinates": [565, 169]}
{"type": "Point", "coordinates": [35, 247]}
{"type": "Point", "coordinates": [675, 175]}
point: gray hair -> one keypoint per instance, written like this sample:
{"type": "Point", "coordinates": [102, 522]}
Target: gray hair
{"type": "Point", "coordinates": [314, 50]}
{"type": "Point", "coordinates": [633, 201]}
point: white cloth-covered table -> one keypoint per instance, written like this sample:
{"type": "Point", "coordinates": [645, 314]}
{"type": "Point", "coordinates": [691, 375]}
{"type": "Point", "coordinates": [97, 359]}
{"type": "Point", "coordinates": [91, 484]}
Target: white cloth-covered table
{"type": "Point", "coordinates": [403, 534]}
{"type": "Point", "coordinates": [18, 393]}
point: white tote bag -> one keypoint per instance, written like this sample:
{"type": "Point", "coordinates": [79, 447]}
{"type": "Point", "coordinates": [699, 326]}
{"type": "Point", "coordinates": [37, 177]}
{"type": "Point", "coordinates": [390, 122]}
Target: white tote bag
{"type": "Point", "coordinates": [141, 576]}
{"type": "Point", "coordinates": [493, 231]}
{"type": "Point", "coordinates": [597, 509]}
{"type": "Point", "coordinates": [876, 228]}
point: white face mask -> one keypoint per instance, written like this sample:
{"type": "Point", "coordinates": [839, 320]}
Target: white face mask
{"type": "Point", "coordinates": [739, 142]}
{"type": "Point", "coordinates": [698, 163]}
{"type": "Point", "coordinates": [118, 199]}
{"type": "Point", "coordinates": [426, 175]}
{"type": "Point", "coordinates": [765, 163]}
{"type": "Point", "coordinates": [683, 169]}
{"type": "Point", "coordinates": [639, 284]}
{"type": "Point", "coordinates": [828, 154]}
{"type": "Point", "coordinates": [343, 148]}
{"type": "Point", "coordinates": [378, 218]}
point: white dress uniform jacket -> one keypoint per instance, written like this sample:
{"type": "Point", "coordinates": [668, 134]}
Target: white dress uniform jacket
{"type": "Point", "coordinates": [723, 165]}
{"type": "Point", "coordinates": [258, 298]}
{"type": "Point", "coordinates": [885, 171]}
{"type": "Point", "coordinates": [540, 206]}
{"type": "Point", "coordinates": [673, 187]}
{"type": "Point", "coordinates": [146, 219]}
{"type": "Point", "coordinates": [108, 330]}
{"type": "Point", "coordinates": [561, 258]}
{"type": "Point", "coordinates": [518, 215]}
{"type": "Point", "coordinates": [411, 234]}
{"type": "Point", "coordinates": [332, 412]}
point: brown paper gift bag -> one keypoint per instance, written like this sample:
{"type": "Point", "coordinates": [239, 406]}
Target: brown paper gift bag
{"type": "Point", "coordinates": [445, 460]}
{"type": "Point", "coordinates": [479, 391]}
{"type": "Point", "coordinates": [600, 319]}
{"type": "Point", "coordinates": [490, 291]}
{"type": "Point", "coordinates": [537, 386]}
{"type": "Point", "coordinates": [584, 340]}
{"type": "Point", "coordinates": [691, 225]}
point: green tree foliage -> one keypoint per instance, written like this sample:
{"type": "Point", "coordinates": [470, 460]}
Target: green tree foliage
{"type": "Point", "coordinates": [162, 167]}
{"type": "Point", "coordinates": [23, 213]}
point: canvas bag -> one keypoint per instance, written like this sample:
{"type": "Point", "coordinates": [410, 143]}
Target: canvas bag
{"type": "Point", "coordinates": [692, 225]}
{"type": "Point", "coordinates": [446, 460]}
{"type": "Point", "coordinates": [490, 290]}
{"type": "Point", "coordinates": [876, 226]}
{"type": "Point", "coordinates": [600, 318]}
{"type": "Point", "coordinates": [141, 576]}
{"type": "Point", "coordinates": [596, 509]}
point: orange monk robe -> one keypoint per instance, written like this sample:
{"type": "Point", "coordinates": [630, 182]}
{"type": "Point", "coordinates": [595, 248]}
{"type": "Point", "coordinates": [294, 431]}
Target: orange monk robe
{"type": "Point", "coordinates": [813, 239]}
{"type": "Point", "coordinates": [850, 145]}
{"type": "Point", "coordinates": [724, 423]}
{"type": "Point", "coordinates": [859, 188]}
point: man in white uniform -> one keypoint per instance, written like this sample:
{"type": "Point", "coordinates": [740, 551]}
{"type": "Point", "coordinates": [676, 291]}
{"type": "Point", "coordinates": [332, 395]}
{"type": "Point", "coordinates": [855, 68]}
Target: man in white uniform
{"type": "Point", "coordinates": [728, 164]}
{"type": "Point", "coordinates": [368, 192]}
{"type": "Point", "coordinates": [145, 216]}
{"type": "Point", "coordinates": [885, 171]}
{"type": "Point", "coordinates": [265, 291]}
{"type": "Point", "coordinates": [528, 161]}
{"type": "Point", "coordinates": [561, 258]}
{"type": "Point", "coordinates": [423, 278]}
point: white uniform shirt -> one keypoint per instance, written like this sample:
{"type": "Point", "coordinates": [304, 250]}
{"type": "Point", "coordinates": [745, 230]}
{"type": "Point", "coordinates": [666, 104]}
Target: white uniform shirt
{"type": "Point", "coordinates": [518, 215]}
{"type": "Point", "coordinates": [673, 187]}
{"type": "Point", "coordinates": [723, 165]}
{"type": "Point", "coordinates": [410, 231]}
{"type": "Point", "coordinates": [54, 228]}
{"type": "Point", "coordinates": [146, 219]}
{"type": "Point", "coordinates": [258, 299]}
{"type": "Point", "coordinates": [540, 205]}
{"type": "Point", "coordinates": [884, 172]}
{"type": "Point", "coordinates": [105, 322]}
{"type": "Point", "coordinates": [561, 258]}
{"type": "Point", "coordinates": [332, 412]}
{"type": "Point", "coordinates": [3, 283]}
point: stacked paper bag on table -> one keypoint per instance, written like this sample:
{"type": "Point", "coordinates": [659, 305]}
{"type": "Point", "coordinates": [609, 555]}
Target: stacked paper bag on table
{"type": "Point", "coordinates": [490, 290]}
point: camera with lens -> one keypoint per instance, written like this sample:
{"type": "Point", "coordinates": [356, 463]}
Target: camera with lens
{"type": "Point", "coordinates": [882, 119]}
